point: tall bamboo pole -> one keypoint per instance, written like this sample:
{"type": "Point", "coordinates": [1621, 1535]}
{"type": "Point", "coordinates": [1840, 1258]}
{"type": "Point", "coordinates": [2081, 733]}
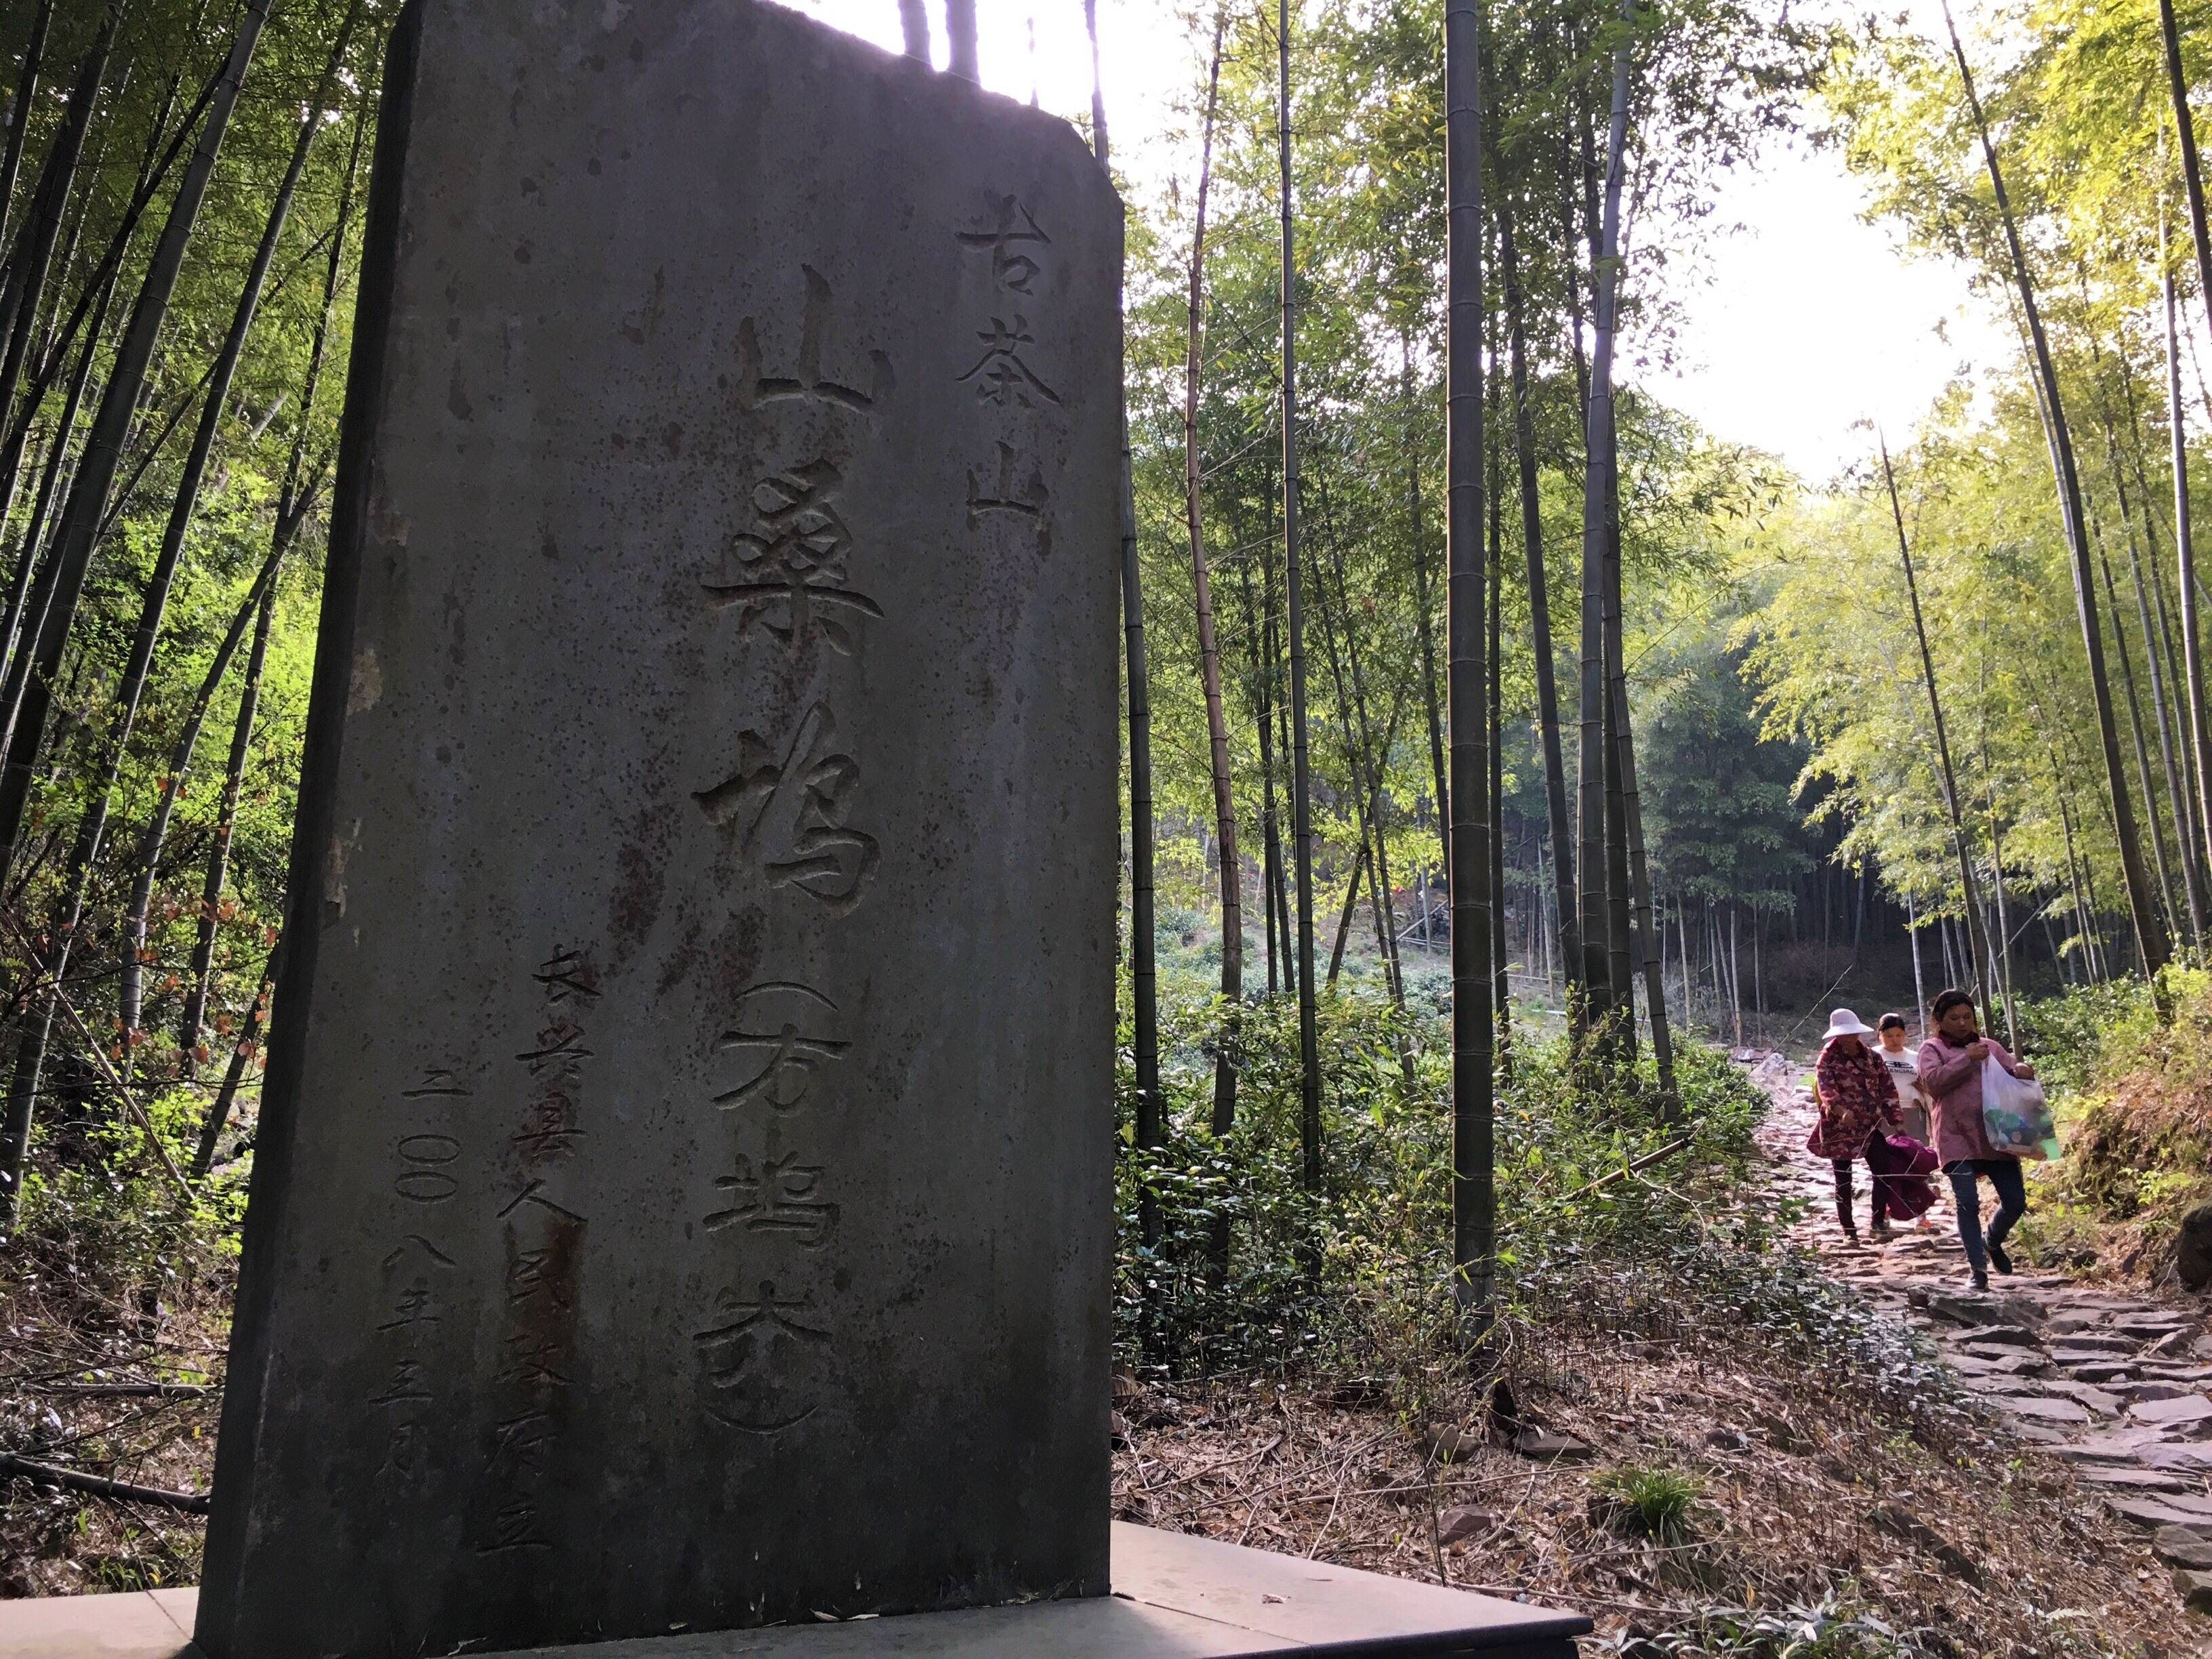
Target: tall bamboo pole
{"type": "Point", "coordinates": [1143, 973]}
{"type": "Point", "coordinates": [2151, 935]}
{"type": "Point", "coordinates": [1971, 907]}
{"type": "Point", "coordinates": [1474, 1201]}
{"type": "Point", "coordinates": [1209, 655]}
{"type": "Point", "coordinates": [1294, 606]}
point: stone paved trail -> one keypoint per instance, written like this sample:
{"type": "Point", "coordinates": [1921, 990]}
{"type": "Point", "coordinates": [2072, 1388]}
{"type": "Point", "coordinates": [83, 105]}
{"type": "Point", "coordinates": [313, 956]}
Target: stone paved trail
{"type": "Point", "coordinates": [2118, 1385]}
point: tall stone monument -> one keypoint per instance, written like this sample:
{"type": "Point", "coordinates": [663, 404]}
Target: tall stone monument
{"type": "Point", "coordinates": [683, 1193]}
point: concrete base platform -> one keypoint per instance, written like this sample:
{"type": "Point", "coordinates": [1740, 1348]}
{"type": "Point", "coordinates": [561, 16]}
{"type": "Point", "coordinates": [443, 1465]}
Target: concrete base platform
{"type": "Point", "coordinates": [1174, 1598]}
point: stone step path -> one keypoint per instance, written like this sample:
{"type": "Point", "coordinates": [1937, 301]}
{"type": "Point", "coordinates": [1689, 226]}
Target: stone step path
{"type": "Point", "coordinates": [2118, 1385]}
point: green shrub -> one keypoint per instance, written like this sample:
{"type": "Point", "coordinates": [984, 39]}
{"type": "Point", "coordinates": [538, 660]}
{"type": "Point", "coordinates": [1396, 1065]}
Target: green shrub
{"type": "Point", "coordinates": [1646, 1503]}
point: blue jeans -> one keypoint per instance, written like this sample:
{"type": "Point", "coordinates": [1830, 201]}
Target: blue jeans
{"type": "Point", "coordinates": [2012, 1202]}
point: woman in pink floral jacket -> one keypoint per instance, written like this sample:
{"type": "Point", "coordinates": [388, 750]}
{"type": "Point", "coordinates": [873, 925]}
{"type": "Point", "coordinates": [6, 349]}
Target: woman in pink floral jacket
{"type": "Point", "coordinates": [1858, 1101]}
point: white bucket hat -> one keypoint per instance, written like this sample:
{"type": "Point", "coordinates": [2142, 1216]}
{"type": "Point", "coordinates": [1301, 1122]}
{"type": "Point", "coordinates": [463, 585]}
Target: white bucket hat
{"type": "Point", "coordinates": [1844, 1023]}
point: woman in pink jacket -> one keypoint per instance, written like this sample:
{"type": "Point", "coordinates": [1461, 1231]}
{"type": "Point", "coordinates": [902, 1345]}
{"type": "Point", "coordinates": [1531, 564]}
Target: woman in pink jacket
{"type": "Point", "coordinates": [1951, 1075]}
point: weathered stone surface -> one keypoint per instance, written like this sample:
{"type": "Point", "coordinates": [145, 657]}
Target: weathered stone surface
{"type": "Point", "coordinates": [1548, 1447]}
{"type": "Point", "coordinates": [2195, 1589]}
{"type": "Point", "coordinates": [2187, 1408]}
{"type": "Point", "coordinates": [1454, 1524]}
{"type": "Point", "coordinates": [2042, 1407]}
{"type": "Point", "coordinates": [2170, 1509]}
{"type": "Point", "coordinates": [2192, 1248]}
{"type": "Point", "coordinates": [2183, 1546]}
{"type": "Point", "coordinates": [683, 1194]}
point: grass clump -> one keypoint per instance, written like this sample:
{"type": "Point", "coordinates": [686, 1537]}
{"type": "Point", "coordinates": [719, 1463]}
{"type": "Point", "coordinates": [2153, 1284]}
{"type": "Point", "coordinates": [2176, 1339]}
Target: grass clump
{"type": "Point", "coordinates": [1638, 1501]}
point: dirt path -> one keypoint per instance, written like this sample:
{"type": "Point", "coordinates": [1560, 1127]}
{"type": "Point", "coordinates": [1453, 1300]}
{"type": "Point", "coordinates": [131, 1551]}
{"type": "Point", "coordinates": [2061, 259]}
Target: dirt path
{"type": "Point", "coordinates": [2118, 1385]}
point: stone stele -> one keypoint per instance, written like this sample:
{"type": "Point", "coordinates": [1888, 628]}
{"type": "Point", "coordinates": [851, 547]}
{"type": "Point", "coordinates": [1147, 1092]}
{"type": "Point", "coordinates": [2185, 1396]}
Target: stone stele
{"type": "Point", "coordinates": [683, 1198]}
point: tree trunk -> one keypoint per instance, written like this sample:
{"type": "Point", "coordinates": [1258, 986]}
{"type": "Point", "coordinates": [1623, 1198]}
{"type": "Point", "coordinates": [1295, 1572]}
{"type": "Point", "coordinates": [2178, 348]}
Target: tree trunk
{"type": "Point", "coordinates": [960, 38]}
{"type": "Point", "coordinates": [1301, 779]}
{"type": "Point", "coordinates": [1501, 972]}
{"type": "Point", "coordinates": [25, 288]}
{"type": "Point", "coordinates": [2166, 885]}
{"type": "Point", "coordinates": [1950, 781]}
{"type": "Point", "coordinates": [1344, 916]}
{"type": "Point", "coordinates": [1144, 1041]}
{"type": "Point", "coordinates": [1209, 656]}
{"type": "Point", "coordinates": [1474, 1198]}
{"type": "Point", "coordinates": [88, 497]}
{"type": "Point", "coordinates": [218, 864]}
{"type": "Point", "coordinates": [2150, 936]}
{"type": "Point", "coordinates": [295, 496]}
{"type": "Point", "coordinates": [2185, 551]}
{"type": "Point", "coordinates": [242, 1055]}
{"type": "Point", "coordinates": [913, 29]}
{"type": "Point", "coordinates": [1257, 695]}
{"type": "Point", "coordinates": [1540, 609]}
{"type": "Point", "coordinates": [1424, 601]}
{"type": "Point", "coordinates": [19, 110]}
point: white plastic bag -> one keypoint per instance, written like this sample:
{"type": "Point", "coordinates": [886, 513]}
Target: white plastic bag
{"type": "Point", "coordinates": [2016, 1116]}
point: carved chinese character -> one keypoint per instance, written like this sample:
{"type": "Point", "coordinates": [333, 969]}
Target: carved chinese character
{"type": "Point", "coordinates": [786, 1076]}
{"type": "Point", "coordinates": [1000, 374]}
{"type": "Point", "coordinates": [437, 1081]}
{"type": "Point", "coordinates": [535, 1193]}
{"type": "Point", "coordinates": [406, 1386]}
{"type": "Point", "coordinates": [412, 1309]}
{"type": "Point", "coordinates": [531, 1363]}
{"type": "Point", "coordinates": [790, 807]}
{"type": "Point", "coordinates": [519, 1444]}
{"type": "Point", "coordinates": [1005, 495]}
{"type": "Point", "coordinates": [791, 565]}
{"type": "Point", "coordinates": [398, 1253]}
{"type": "Point", "coordinates": [778, 1195]}
{"type": "Point", "coordinates": [531, 1273]}
{"type": "Point", "coordinates": [741, 1354]}
{"type": "Point", "coordinates": [560, 1052]}
{"type": "Point", "coordinates": [755, 388]}
{"type": "Point", "coordinates": [565, 975]}
{"type": "Point", "coordinates": [551, 1131]}
{"type": "Point", "coordinates": [1010, 269]}
{"type": "Point", "coordinates": [514, 1527]}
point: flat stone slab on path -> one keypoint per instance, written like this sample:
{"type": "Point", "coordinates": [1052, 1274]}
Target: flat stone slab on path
{"type": "Point", "coordinates": [2187, 1409]}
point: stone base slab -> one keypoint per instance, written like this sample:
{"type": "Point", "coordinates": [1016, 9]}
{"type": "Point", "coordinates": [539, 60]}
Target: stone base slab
{"type": "Point", "coordinates": [1174, 1598]}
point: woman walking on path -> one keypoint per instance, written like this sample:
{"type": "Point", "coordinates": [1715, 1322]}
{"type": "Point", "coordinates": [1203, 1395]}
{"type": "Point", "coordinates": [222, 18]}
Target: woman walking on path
{"type": "Point", "coordinates": [1857, 1103]}
{"type": "Point", "coordinates": [1951, 1074]}
{"type": "Point", "coordinates": [1903, 1066]}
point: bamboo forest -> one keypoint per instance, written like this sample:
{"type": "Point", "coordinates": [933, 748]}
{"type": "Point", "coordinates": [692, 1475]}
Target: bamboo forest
{"type": "Point", "coordinates": [1654, 535]}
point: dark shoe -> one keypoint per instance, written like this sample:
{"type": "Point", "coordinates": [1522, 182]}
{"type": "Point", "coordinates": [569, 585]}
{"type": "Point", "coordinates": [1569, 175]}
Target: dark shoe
{"type": "Point", "coordinates": [1998, 1258]}
{"type": "Point", "coordinates": [1981, 1279]}
{"type": "Point", "coordinates": [1850, 1238]}
{"type": "Point", "coordinates": [1881, 1233]}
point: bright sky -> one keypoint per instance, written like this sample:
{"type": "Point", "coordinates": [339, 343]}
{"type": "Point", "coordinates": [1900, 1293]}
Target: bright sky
{"type": "Point", "coordinates": [1812, 320]}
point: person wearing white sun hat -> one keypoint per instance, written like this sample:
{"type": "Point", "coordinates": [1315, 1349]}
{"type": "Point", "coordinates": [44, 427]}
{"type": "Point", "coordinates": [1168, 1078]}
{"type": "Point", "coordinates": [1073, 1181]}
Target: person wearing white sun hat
{"type": "Point", "coordinates": [1857, 1100]}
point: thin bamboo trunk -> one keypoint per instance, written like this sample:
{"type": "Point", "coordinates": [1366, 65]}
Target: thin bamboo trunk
{"type": "Point", "coordinates": [1209, 655]}
{"type": "Point", "coordinates": [914, 30]}
{"type": "Point", "coordinates": [2151, 940]}
{"type": "Point", "coordinates": [1950, 781]}
{"type": "Point", "coordinates": [295, 497]}
{"type": "Point", "coordinates": [2185, 551]}
{"type": "Point", "coordinates": [1539, 608]}
{"type": "Point", "coordinates": [1270, 849]}
{"type": "Point", "coordinates": [1424, 602]}
{"type": "Point", "coordinates": [2166, 885]}
{"type": "Point", "coordinates": [19, 108]}
{"type": "Point", "coordinates": [1501, 973]}
{"type": "Point", "coordinates": [76, 534]}
{"type": "Point", "coordinates": [1301, 777]}
{"type": "Point", "coordinates": [960, 40]}
{"type": "Point", "coordinates": [189, 1023]}
{"type": "Point", "coordinates": [1145, 1039]}
{"type": "Point", "coordinates": [1344, 916]}
{"type": "Point", "coordinates": [242, 1054]}
{"type": "Point", "coordinates": [1474, 1198]}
